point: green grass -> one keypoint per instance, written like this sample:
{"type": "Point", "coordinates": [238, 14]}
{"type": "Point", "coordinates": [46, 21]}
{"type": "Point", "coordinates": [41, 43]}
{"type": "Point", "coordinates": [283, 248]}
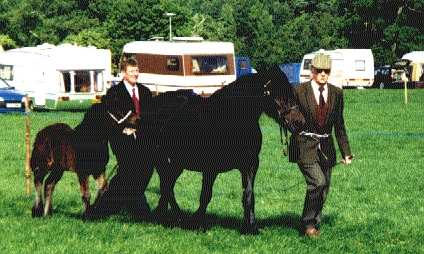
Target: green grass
{"type": "Point", "coordinates": [376, 205]}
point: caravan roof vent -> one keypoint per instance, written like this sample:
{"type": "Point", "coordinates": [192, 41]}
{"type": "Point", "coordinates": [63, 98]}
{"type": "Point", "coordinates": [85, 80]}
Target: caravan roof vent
{"type": "Point", "coordinates": [188, 39]}
{"type": "Point", "coordinates": [46, 46]}
{"type": "Point", "coordinates": [156, 38]}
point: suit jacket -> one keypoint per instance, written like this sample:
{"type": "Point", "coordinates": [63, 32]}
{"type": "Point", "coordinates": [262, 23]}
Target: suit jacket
{"type": "Point", "coordinates": [305, 149]}
{"type": "Point", "coordinates": [117, 99]}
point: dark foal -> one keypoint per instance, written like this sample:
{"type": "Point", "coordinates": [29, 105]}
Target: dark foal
{"type": "Point", "coordinates": [59, 148]}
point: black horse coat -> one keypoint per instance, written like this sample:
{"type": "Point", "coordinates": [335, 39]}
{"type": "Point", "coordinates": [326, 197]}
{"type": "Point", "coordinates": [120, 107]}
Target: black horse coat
{"type": "Point", "coordinates": [217, 134]}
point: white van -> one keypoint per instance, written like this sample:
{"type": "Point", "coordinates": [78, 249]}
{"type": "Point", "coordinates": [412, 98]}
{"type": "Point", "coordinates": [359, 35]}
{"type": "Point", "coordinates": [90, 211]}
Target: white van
{"type": "Point", "coordinates": [184, 63]}
{"type": "Point", "coordinates": [349, 67]}
{"type": "Point", "coordinates": [58, 77]}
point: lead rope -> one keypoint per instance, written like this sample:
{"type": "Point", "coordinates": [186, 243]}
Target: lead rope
{"type": "Point", "coordinates": [285, 142]}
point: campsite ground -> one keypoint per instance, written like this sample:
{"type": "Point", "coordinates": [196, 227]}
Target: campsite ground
{"type": "Point", "coordinates": [375, 205]}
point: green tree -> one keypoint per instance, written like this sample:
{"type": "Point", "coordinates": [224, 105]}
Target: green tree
{"type": "Point", "coordinates": [6, 42]}
{"type": "Point", "coordinates": [89, 37]}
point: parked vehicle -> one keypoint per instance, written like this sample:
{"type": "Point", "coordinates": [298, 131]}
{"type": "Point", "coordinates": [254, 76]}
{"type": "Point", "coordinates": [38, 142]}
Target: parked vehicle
{"type": "Point", "coordinates": [243, 66]}
{"type": "Point", "coordinates": [11, 100]}
{"type": "Point", "coordinates": [415, 69]}
{"type": "Point", "coordinates": [349, 68]}
{"type": "Point", "coordinates": [383, 76]}
{"type": "Point", "coordinates": [184, 63]}
{"type": "Point", "coordinates": [58, 77]}
{"type": "Point", "coordinates": [292, 71]}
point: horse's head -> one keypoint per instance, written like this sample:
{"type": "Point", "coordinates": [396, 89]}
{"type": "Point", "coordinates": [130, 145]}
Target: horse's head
{"type": "Point", "coordinates": [280, 102]}
{"type": "Point", "coordinates": [116, 117]}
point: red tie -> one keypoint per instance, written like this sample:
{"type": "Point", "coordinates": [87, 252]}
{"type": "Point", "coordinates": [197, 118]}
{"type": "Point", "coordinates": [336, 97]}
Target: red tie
{"type": "Point", "coordinates": [135, 102]}
{"type": "Point", "coordinates": [321, 97]}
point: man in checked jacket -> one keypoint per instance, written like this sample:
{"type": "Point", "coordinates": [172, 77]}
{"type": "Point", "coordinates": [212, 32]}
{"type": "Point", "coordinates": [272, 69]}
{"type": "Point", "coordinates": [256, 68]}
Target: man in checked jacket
{"type": "Point", "coordinates": [313, 149]}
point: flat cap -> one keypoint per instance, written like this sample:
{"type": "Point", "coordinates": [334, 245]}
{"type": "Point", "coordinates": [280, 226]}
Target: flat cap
{"type": "Point", "coordinates": [321, 61]}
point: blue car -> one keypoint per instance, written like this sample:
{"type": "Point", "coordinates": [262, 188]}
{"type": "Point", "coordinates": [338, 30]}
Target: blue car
{"type": "Point", "coordinates": [11, 100]}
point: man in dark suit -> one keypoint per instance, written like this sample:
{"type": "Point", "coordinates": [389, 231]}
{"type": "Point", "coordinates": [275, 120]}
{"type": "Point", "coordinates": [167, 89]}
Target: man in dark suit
{"type": "Point", "coordinates": [126, 189]}
{"type": "Point", "coordinates": [313, 149]}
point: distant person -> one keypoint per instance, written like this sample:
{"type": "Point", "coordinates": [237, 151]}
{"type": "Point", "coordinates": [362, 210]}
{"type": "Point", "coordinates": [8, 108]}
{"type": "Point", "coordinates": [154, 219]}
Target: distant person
{"type": "Point", "coordinates": [313, 149]}
{"type": "Point", "coordinates": [126, 189]}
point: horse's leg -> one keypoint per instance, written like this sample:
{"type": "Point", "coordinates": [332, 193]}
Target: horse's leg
{"type": "Point", "coordinates": [248, 180]}
{"type": "Point", "coordinates": [208, 179]}
{"type": "Point", "coordinates": [37, 209]}
{"type": "Point", "coordinates": [172, 201]}
{"type": "Point", "coordinates": [49, 185]}
{"type": "Point", "coordinates": [168, 177]}
{"type": "Point", "coordinates": [198, 218]}
{"type": "Point", "coordinates": [85, 191]}
{"type": "Point", "coordinates": [101, 184]}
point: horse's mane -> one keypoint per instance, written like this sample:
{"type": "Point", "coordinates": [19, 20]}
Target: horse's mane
{"type": "Point", "coordinates": [247, 85]}
{"type": "Point", "coordinates": [186, 104]}
{"type": "Point", "coordinates": [253, 84]}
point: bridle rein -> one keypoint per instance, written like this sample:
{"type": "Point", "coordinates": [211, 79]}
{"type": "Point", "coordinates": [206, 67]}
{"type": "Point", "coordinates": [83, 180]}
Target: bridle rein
{"type": "Point", "coordinates": [282, 109]}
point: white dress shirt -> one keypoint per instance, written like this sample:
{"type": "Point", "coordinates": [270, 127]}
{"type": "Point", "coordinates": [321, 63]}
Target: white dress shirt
{"type": "Point", "coordinates": [315, 88]}
{"type": "Point", "coordinates": [130, 89]}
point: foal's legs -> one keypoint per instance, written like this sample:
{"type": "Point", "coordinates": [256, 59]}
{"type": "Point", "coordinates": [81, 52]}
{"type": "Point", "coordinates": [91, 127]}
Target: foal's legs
{"type": "Point", "coordinates": [101, 184]}
{"type": "Point", "coordinates": [85, 190]}
{"type": "Point", "coordinates": [248, 180]}
{"type": "Point", "coordinates": [49, 185]}
{"type": "Point", "coordinates": [37, 209]}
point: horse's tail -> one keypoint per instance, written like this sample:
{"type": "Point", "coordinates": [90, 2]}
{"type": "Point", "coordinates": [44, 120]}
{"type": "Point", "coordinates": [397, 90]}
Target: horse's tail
{"type": "Point", "coordinates": [41, 151]}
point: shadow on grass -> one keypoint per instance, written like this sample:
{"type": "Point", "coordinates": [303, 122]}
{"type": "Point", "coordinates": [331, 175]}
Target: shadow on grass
{"type": "Point", "coordinates": [184, 220]}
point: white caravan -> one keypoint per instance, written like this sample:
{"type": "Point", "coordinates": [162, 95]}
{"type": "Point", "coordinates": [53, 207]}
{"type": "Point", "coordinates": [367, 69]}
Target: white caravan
{"type": "Point", "coordinates": [415, 68]}
{"type": "Point", "coordinates": [184, 63]}
{"type": "Point", "coordinates": [58, 77]}
{"type": "Point", "coordinates": [349, 67]}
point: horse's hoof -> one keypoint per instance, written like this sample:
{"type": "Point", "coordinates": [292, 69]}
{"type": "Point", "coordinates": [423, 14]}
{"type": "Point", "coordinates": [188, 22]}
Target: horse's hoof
{"type": "Point", "coordinates": [37, 212]}
{"type": "Point", "coordinates": [91, 214]}
{"type": "Point", "coordinates": [250, 230]}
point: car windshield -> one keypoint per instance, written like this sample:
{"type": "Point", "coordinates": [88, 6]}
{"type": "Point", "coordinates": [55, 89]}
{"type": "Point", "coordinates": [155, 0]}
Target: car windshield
{"type": "Point", "coordinates": [4, 85]}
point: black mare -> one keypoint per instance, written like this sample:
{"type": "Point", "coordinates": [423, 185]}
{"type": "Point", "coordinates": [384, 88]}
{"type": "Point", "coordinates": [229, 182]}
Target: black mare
{"type": "Point", "coordinates": [217, 134]}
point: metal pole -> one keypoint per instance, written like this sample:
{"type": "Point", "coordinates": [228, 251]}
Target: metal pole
{"type": "Point", "coordinates": [170, 28]}
{"type": "Point", "coordinates": [27, 148]}
{"type": "Point", "coordinates": [405, 89]}
{"type": "Point", "coordinates": [169, 15]}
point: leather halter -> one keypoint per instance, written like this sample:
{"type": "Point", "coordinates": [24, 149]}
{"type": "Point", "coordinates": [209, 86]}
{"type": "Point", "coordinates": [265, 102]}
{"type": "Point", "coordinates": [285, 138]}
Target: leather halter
{"type": "Point", "coordinates": [282, 111]}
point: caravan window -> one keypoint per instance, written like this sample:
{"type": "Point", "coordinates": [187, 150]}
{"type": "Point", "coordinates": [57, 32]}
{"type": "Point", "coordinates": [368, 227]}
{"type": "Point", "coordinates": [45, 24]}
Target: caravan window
{"type": "Point", "coordinates": [82, 81]}
{"type": "Point", "coordinates": [172, 63]}
{"type": "Point", "coordinates": [307, 64]}
{"type": "Point", "coordinates": [359, 65]}
{"type": "Point", "coordinates": [209, 65]}
{"type": "Point", "coordinates": [67, 81]}
{"type": "Point", "coordinates": [6, 72]}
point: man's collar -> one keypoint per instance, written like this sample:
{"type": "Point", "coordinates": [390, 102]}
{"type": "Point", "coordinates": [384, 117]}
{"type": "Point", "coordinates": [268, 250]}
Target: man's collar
{"type": "Point", "coordinates": [315, 85]}
{"type": "Point", "coordinates": [128, 85]}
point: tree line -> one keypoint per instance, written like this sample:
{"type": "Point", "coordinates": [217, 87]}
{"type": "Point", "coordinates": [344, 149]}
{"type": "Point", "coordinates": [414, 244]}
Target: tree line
{"type": "Point", "coordinates": [267, 31]}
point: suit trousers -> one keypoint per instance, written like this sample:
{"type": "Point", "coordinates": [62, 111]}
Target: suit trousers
{"type": "Point", "coordinates": [127, 186]}
{"type": "Point", "coordinates": [318, 177]}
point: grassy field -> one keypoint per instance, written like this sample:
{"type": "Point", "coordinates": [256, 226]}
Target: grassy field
{"type": "Point", "coordinates": [376, 205]}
